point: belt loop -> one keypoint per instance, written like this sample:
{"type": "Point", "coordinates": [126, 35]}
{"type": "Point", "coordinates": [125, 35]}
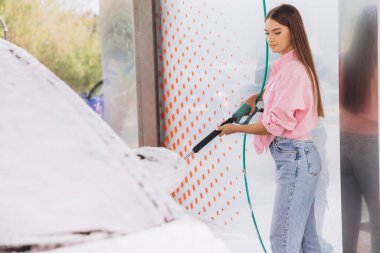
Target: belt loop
{"type": "Point", "coordinates": [297, 148]}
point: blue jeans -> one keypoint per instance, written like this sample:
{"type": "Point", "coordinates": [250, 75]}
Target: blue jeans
{"type": "Point", "coordinates": [359, 162]}
{"type": "Point", "coordinates": [298, 165]}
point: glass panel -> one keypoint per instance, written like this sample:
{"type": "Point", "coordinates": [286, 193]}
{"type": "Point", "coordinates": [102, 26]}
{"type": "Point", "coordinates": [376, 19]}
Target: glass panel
{"type": "Point", "coordinates": [120, 99]}
{"type": "Point", "coordinates": [359, 125]}
{"type": "Point", "coordinates": [211, 55]}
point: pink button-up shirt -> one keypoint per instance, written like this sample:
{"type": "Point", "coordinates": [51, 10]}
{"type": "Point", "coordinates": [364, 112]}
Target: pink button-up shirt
{"type": "Point", "coordinates": [289, 109]}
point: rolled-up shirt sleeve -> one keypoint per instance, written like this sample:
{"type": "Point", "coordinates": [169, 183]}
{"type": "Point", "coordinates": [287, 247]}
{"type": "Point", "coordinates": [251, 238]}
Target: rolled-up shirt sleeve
{"type": "Point", "coordinates": [290, 95]}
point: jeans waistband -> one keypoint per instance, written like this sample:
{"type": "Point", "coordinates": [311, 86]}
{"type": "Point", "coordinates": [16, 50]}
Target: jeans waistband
{"type": "Point", "coordinates": [296, 143]}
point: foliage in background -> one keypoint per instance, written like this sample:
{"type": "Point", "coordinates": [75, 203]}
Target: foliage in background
{"type": "Point", "coordinates": [65, 41]}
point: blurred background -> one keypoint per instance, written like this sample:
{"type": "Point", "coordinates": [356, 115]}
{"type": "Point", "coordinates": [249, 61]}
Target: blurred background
{"type": "Point", "coordinates": [61, 34]}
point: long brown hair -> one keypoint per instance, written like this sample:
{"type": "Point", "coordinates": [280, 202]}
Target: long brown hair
{"type": "Point", "coordinates": [290, 17]}
{"type": "Point", "coordinates": [360, 62]}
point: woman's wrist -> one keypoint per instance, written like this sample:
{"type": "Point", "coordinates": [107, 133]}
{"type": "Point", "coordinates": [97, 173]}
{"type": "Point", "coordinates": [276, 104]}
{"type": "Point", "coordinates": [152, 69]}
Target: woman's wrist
{"type": "Point", "coordinates": [239, 128]}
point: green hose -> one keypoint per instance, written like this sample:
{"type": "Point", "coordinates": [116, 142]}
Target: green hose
{"type": "Point", "coordinates": [245, 138]}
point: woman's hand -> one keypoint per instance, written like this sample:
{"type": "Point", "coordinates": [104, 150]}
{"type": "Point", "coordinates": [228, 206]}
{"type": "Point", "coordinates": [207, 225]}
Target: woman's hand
{"type": "Point", "coordinates": [228, 129]}
{"type": "Point", "coordinates": [251, 102]}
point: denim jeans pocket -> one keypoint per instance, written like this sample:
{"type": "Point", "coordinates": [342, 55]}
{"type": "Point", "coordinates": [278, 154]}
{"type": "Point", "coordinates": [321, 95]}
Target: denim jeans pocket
{"type": "Point", "coordinates": [313, 160]}
{"type": "Point", "coordinates": [284, 147]}
{"type": "Point", "coordinates": [283, 151]}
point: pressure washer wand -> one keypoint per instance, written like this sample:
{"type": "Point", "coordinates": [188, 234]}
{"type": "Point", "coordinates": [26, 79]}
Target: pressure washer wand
{"type": "Point", "coordinates": [244, 110]}
{"type": "Point", "coordinates": [208, 138]}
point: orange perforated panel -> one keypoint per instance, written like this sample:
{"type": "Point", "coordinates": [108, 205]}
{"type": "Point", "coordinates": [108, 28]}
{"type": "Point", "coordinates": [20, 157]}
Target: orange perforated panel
{"type": "Point", "coordinates": [203, 75]}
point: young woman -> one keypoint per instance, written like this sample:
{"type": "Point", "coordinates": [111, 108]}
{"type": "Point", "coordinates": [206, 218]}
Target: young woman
{"type": "Point", "coordinates": [292, 106]}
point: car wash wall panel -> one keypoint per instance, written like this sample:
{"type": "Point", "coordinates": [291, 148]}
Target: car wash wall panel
{"type": "Point", "coordinates": [211, 55]}
{"type": "Point", "coordinates": [129, 70]}
{"type": "Point", "coordinates": [359, 145]}
{"type": "Point", "coordinates": [119, 68]}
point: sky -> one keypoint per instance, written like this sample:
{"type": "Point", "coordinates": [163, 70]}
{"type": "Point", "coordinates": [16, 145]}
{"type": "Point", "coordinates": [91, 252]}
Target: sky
{"type": "Point", "coordinates": [83, 5]}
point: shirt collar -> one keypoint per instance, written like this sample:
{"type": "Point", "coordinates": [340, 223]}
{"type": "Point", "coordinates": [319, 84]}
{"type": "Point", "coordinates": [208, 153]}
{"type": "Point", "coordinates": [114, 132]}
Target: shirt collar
{"type": "Point", "coordinates": [289, 56]}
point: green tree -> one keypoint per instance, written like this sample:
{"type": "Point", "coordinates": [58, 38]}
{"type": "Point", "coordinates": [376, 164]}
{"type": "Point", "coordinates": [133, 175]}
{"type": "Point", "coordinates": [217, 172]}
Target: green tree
{"type": "Point", "coordinates": [65, 41]}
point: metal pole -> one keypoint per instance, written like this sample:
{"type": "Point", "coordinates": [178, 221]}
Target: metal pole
{"type": "Point", "coordinates": [146, 72]}
{"type": "Point", "coordinates": [4, 27]}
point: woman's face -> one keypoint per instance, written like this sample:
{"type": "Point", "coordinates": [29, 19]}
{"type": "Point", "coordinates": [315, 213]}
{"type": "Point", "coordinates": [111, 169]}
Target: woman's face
{"type": "Point", "coordinates": [278, 36]}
